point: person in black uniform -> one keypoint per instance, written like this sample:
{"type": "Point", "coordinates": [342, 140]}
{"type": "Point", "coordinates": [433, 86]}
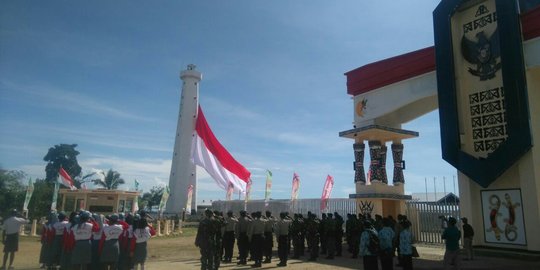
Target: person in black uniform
{"type": "Point", "coordinates": [205, 240]}
{"type": "Point", "coordinates": [219, 225]}
{"type": "Point", "coordinates": [339, 233]}
{"type": "Point", "coordinates": [312, 227]}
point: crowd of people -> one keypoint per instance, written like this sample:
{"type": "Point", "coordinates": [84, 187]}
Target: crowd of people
{"type": "Point", "coordinates": [83, 240]}
{"type": "Point", "coordinates": [375, 240]}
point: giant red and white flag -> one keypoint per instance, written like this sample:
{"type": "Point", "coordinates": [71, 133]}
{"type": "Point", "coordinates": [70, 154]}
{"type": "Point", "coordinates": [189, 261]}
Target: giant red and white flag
{"type": "Point", "coordinates": [207, 152]}
{"type": "Point", "coordinates": [327, 189]}
{"type": "Point", "coordinates": [65, 179]}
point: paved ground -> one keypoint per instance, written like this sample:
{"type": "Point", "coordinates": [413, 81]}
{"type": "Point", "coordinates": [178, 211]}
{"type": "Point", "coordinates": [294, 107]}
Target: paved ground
{"type": "Point", "coordinates": [179, 252]}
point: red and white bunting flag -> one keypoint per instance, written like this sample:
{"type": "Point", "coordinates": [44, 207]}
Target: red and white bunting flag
{"type": "Point", "coordinates": [248, 191]}
{"type": "Point", "coordinates": [189, 199]}
{"type": "Point", "coordinates": [295, 187]}
{"type": "Point", "coordinates": [230, 190]}
{"type": "Point", "coordinates": [65, 179]}
{"type": "Point", "coordinates": [207, 152]}
{"type": "Point", "coordinates": [327, 189]}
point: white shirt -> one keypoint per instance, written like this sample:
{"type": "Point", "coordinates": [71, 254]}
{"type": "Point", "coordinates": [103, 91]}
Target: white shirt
{"type": "Point", "coordinates": [13, 224]}
{"type": "Point", "coordinates": [112, 231]}
{"type": "Point", "coordinates": [82, 231]}
{"type": "Point", "coordinates": [60, 226]}
{"type": "Point", "coordinates": [142, 235]}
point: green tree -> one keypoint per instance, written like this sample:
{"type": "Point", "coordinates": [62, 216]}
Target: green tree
{"type": "Point", "coordinates": [41, 201]}
{"type": "Point", "coordinates": [12, 191]}
{"type": "Point", "coordinates": [65, 156]}
{"type": "Point", "coordinates": [152, 198]}
{"type": "Point", "coordinates": [112, 180]}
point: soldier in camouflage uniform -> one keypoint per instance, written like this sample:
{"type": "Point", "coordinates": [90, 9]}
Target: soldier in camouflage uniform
{"type": "Point", "coordinates": [294, 234]}
{"type": "Point", "coordinates": [312, 228]}
{"type": "Point", "coordinates": [322, 233]}
{"type": "Point", "coordinates": [330, 230]}
{"type": "Point", "coordinates": [354, 235]}
{"type": "Point", "coordinates": [205, 240]}
{"type": "Point", "coordinates": [219, 224]}
{"type": "Point", "coordinates": [339, 233]}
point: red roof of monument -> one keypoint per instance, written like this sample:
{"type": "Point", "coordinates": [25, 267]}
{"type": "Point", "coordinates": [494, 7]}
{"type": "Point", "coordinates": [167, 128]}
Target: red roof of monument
{"type": "Point", "coordinates": [388, 71]}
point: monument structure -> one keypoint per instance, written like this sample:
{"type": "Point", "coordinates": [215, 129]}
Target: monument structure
{"type": "Point", "coordinates": [483, 74]}
{"type": "Point", "coordinates": [183, 171]}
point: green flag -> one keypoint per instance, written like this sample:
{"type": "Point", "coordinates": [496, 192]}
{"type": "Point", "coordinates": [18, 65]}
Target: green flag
{"type": "Point", "coordinates": [136, 185]}
{"type": "Point", "coordinates": [55, 195]}
{"type": "Point", "coordinates": [268, 187]}
{"type": "Point", "coordinates": [29, 192]}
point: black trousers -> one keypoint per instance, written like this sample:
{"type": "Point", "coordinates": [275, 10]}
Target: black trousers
{"type": "Point", "coordinates": [407, 262]}
{"type": "Point", "coordinates": [283, 248]}
{"type": "Point", "coordinates": [370, 263]}
{"type": "Point", "coordinates": [207, 258]}
{"type": "Point", "coordinates": [257, 241]}
{"type": "Point", "coordinates": [228, 244]}
{"type": "Point", "coordinates": [243, 246]}
{"type": "Point", "coordinates": [268, 245]}
{"type": "Point", "coordinates": [387, 260]}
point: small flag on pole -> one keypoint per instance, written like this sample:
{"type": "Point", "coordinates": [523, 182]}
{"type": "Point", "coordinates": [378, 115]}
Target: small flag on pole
{"type": "Point", "coordinates": [327, 189]}
{"type": "Point", "coordinates": [29, 192]}
{"type": "Point", "coordinates": [295, 187]}
{"type": "Point", "coordinates": [164, 198]}
{"type": "Point", "coordinates": [230, 190]}
{"type": "Point", "coordinates": [55, 196]}
{"type": "Point", "coordinates": [136, 185]}
{"type": "Point", "coordinates": [65, 179]}
{"type": "Point", "coordinates": [268, 187]}
{"type": "Point", "coordinates": [189, 199]}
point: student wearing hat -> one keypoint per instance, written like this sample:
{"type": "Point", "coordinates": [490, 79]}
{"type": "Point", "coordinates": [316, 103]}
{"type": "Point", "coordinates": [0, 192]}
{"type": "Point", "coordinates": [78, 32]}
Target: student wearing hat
{"type": "Point", "coordinates": [109, 248]}
{"type": "Point", "coordinates": [141, 234]}
{"type": "Point", "coordinates": [10, 237]}
{"type": "Point", "coordinates": [81, 254]}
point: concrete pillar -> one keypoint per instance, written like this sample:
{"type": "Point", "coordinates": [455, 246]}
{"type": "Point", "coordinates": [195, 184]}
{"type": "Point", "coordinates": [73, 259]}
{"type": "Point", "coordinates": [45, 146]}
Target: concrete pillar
{"type": "Point", "coordinates": [158, 230]}
{"type": "Point", "coordinates": [182, 169]}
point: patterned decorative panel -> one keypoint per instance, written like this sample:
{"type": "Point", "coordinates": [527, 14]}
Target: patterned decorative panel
{"type": "Point", "coordinates": [359, 175]}
{"type": "Point", "coordinates": [488, 119]}
{"type": "Point", "coordinates": [397, 154]}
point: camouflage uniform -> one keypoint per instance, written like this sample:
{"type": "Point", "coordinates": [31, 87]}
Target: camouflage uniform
{"type": "Point", "coordinates": [205, 240]}
{"type": "Point", "coordinates": [312, 228]}
{"type": "Point", "coordinates": [339, 233]}
{"type": "Point", "coordinates": [219, 224]}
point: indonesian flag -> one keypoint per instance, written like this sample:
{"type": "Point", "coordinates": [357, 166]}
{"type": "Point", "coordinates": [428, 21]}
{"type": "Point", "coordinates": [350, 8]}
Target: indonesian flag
{"type": "Point", "coordinates": [65, 179]}
{"type": "Point", "coordinates": [328, 185]}
{"type": "Point", "coordinates": [207, 152]}
{"type": "Point", "coordinates": [295, 187]}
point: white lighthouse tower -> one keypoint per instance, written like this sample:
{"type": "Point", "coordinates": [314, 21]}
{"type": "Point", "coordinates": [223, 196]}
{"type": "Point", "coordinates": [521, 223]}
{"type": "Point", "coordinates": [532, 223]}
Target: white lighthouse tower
{"type": "Point", "coordinates": [182, 169]}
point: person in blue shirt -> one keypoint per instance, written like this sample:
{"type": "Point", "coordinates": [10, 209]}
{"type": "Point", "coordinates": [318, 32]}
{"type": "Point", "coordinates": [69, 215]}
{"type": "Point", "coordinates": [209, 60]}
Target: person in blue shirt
{"type": "Point", "coordinates": [369, 257]}
{"type": "Point", "coordinates": [386, 237]}
{"type": "Point", "coordinates": [405, 245]}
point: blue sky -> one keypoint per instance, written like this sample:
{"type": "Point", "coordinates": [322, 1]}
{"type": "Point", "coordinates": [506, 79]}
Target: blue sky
{"type": "Point", "coordinates": [105, 75]}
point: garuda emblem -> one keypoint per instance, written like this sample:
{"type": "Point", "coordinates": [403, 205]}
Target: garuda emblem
{"type": "Point", "coordinates": [484, 53]}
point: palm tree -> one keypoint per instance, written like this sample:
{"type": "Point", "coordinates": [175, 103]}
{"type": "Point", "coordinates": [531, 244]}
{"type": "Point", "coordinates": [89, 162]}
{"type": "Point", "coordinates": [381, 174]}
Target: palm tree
{"type": "Point", "coordinates": [111, 181]}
